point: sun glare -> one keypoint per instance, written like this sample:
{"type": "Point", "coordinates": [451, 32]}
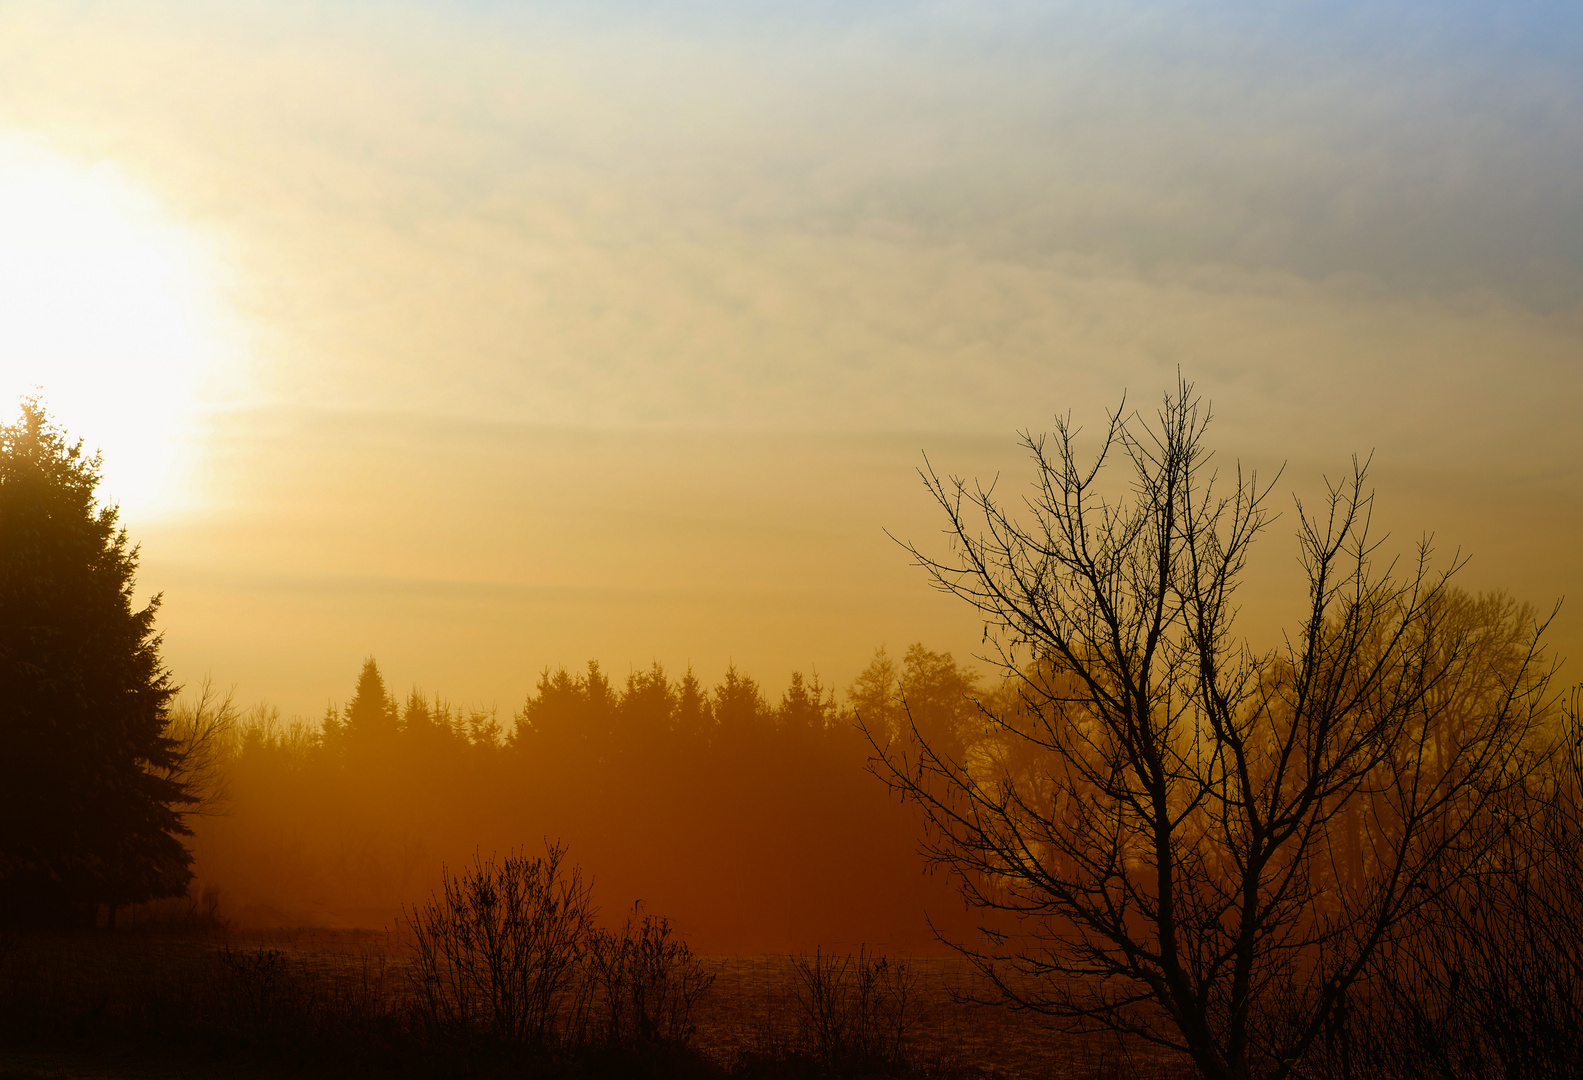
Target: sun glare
{"type": "Point", "coordinates": [109, 318]}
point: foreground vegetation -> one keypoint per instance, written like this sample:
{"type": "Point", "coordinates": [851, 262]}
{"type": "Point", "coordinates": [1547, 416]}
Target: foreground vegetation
{"type": "Point", "coordinates": [207, 1003]}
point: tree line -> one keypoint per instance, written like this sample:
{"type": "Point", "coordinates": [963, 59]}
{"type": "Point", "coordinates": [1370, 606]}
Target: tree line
{"type": "Point", "coordinates": [753, 824]}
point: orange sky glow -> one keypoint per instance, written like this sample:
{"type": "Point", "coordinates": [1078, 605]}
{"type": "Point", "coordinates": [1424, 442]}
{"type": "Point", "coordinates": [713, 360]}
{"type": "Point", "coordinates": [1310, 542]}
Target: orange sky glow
{"type": "Point", "coordinates": [481, 340]}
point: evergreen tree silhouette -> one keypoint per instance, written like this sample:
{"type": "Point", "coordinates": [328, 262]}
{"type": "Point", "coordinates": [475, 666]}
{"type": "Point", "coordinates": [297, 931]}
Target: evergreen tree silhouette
{"type": "Point", "coordinates": [90, 808]}
{"type": "Point", "coordinates": [371, 719]}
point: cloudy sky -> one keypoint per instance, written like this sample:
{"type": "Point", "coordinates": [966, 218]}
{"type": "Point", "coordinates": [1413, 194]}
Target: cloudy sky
{"type": "Point", "coordinates": [484, 336]}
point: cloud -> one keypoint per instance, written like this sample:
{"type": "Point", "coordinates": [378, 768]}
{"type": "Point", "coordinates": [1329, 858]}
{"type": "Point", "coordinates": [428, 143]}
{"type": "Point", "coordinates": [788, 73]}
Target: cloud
{"type": "Point", "coordinates": [903, 215]}
{"type": "Point", "coordinates": [1355, 226]}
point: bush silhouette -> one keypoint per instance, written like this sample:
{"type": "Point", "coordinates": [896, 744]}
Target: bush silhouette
{"type": "Point", "coordinates": [500, 947]}
{"type": "Point", "coordinates": [644, 983]}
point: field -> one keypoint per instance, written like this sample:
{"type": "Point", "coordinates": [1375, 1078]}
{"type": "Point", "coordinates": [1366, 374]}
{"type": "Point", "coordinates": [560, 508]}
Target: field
{"type": "Point", "coordinates": [217, 1004]}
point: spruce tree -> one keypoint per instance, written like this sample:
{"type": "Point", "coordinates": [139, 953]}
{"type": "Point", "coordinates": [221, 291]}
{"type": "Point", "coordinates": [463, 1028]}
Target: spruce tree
{"type": "Point", "coordinates": [371, 719]}
{"type": "Point", "coordinates": [90, 806]}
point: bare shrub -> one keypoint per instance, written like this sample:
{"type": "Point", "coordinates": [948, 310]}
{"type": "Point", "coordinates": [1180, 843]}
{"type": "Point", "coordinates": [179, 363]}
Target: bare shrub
{"type": "Point", "coordinates": [262, 985]}
{"type": "Point", "coordinates": [498, 949]}
{"type": "Point", "coordinates": [204, 729]}
{"type": "Point", "coordinates": [188, 914]}
{"type": "Point", "coordinates": [644, 983]}
{"type": "Point", "coordinates": [857, 1011]}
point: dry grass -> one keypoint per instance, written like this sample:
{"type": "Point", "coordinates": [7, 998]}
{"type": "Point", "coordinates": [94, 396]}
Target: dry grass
{"type": "Point", "coordinates": [339, 1003]}
{"type": "Point", "coordinates": [186, 998]}
{"type": "Point", "coordinates": [755, 1009]}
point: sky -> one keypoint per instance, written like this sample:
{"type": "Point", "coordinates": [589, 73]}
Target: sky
{"type": "Point", "coordinates": [480, 337]}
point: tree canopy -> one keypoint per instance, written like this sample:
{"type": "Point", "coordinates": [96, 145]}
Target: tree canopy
{"type": "Point", "coordinates": [91, 798]}
{"type": "Point", "coordinates": [1174, 835]}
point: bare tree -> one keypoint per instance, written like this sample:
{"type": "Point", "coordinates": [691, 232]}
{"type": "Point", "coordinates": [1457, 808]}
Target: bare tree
{"type": "Point", "coordinates": [203, 730]}
{"type": "Point", "coordinates": [1170, 834]}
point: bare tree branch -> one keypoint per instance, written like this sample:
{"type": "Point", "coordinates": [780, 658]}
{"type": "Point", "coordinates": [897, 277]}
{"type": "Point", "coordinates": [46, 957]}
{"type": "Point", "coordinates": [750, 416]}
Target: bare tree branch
{"type": "Point", "coordinates": [1172, 835]}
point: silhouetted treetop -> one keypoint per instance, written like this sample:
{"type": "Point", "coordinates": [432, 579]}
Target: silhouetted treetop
{"type": "Point", "coordinates": [693, 714]}
{"type": "Point", "coordinates": [737, 702]}
{"type": "Point", "coordinates": [806, 706]}
{"type": "Point", "coordinates": [90, 799]}
{"type": "Point", "coordinates": [930, 696]}
{"type": "Point", "coordinates": [371, 715]}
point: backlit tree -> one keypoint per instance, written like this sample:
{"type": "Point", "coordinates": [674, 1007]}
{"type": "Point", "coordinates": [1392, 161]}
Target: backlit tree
{"type": "Point", "coordinates": [1171, 833]}
{"type": "Point", "coordinates": [91, 795]}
